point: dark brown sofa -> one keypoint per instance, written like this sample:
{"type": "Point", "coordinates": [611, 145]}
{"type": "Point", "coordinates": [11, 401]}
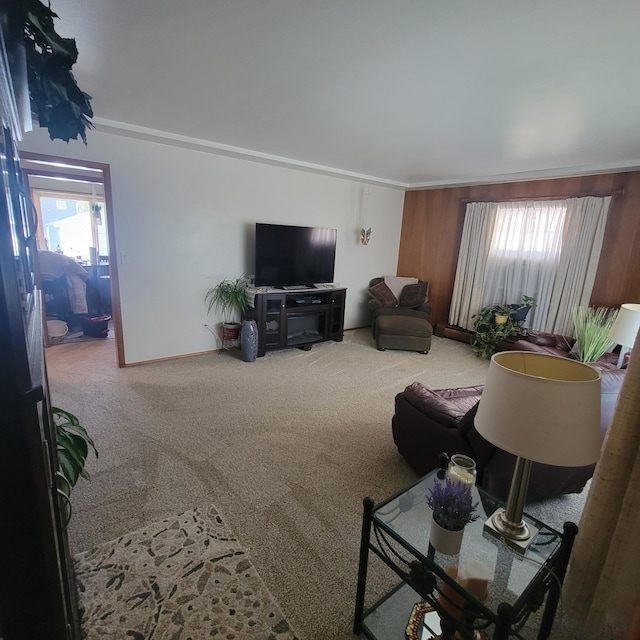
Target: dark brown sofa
{"type": "Point", "coordinates": [553, 344]}
{"type": "Point", "coordinates": [428, 422]}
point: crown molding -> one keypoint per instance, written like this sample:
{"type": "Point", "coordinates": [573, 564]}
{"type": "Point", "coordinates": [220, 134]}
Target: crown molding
{"type": "Point", "coordinates": [205, 146]}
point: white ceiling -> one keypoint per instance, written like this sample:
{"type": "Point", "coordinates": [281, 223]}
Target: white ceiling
{"type": "Point", "coordinates": [405, 92]}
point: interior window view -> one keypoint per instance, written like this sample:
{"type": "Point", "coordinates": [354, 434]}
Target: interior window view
{"type": "Point", "coordinates": [319, 320]}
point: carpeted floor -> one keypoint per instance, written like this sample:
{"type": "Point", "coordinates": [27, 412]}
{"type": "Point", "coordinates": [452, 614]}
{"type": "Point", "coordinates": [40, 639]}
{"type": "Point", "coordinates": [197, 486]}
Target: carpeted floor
{"type": "Point", "coordinates": [182, 578]}
{"type": "Point", "coordinates": [286, 447]}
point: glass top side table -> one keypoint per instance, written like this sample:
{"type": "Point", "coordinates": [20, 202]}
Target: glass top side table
{"type": "Point", "coordinates": [397, 531]}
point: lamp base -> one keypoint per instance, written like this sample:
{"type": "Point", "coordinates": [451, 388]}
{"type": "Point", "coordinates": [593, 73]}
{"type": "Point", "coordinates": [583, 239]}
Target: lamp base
{"type": "Point", "coordinates": [516, 536]}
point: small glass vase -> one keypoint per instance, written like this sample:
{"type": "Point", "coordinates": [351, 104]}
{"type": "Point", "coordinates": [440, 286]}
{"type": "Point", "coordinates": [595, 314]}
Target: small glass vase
{"type": "Point", "coordinates": [444, 540]}
{"type": "Point", "coordinates": [462, 469]}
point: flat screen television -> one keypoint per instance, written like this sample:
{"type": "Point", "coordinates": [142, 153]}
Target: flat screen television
{"type": "Point", "coordinates": [291, 256]}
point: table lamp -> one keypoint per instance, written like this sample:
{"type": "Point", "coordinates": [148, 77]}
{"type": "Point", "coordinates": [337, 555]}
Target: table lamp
{"type": "Point", "coordinates": [540, 408]}
{"type": "Point", "coordinates": [625, 329]}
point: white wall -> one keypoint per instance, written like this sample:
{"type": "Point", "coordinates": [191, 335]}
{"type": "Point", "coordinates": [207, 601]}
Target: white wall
{"type": "Point", "coordinates": [184, 219]}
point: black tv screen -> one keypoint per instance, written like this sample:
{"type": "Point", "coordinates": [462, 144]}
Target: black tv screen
{"type": "Point", "coordinates": [290, 256]}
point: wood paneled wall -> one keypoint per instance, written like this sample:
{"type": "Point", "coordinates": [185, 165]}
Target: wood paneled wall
{"type": "Point", "coordinates": [432, 228]}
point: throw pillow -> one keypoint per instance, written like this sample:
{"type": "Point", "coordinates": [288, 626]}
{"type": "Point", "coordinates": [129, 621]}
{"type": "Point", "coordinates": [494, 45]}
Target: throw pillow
{"type": "Point", "coordinates": [383, 294]}
{"type": "Point", "coordinates": [397, 283]}
{"type": "Point", "coordinates": [413, 295]}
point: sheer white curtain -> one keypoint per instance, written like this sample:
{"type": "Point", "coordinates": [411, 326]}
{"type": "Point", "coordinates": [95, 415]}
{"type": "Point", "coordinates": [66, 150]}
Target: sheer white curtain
{"type": "Point", "coordinates": [583, 234]}
{"type": "Point", "coordinates": [547, 249]}
{"type": "Point", "coordinates": [524, 255]}
{"type": "Point", "coordinates": [479, 221]}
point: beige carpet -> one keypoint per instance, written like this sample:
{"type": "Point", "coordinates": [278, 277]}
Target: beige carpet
{"type": "Point", "coordinates": [286, 448]}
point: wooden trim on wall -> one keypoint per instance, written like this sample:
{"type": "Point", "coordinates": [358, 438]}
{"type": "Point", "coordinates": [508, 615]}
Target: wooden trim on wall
{"type": "Point", "coordinates": [432, 229]}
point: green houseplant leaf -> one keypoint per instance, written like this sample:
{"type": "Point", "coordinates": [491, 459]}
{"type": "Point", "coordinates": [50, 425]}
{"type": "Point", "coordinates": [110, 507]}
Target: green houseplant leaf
{"type": "Point", "coordinates": [73, 445]}
{"type": "Point", "coordinates": [229, 297]}
{"type": "Point", "coordinates": [487, 333]}
{"type": "Point", "coordinates": [56, 100]}
{"type": "Point", "coordinates": [592, 326]}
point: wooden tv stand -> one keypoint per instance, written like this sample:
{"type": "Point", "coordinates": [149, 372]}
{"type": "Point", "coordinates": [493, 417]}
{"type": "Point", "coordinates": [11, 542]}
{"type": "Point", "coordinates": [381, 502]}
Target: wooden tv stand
{"type": "Point", "coordinates": [297, 318]}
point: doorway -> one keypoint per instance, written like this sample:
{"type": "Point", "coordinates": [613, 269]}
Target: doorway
{"type": "Point", "coordinates": [73, 203]}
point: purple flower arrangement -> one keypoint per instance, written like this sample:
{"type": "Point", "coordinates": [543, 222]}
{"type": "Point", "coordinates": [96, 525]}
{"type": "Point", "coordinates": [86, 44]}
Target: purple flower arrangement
{"type": "Point", "coordinates": [452, 504]}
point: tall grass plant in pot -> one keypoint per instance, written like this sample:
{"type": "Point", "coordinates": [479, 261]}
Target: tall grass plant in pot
{"type": "Point", "coordinates": [229, 299]}
{"type": "Point", "coordinates": [592, 326]}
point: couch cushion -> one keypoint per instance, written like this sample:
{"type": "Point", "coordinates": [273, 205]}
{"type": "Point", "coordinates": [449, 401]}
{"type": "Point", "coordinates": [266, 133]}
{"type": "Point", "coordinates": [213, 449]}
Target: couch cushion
{"type": "Point", "coordinates": [413, 295]}
{"type": "Point", "coordinates": [397, 283]}
{"type": "Point", "coordinates": [383, 294]}
{"type": "Point", "coordinates": [399, 325]}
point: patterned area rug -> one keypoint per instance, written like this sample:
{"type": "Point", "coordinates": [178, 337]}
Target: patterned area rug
{"type": "Point", "coordinates": [184, 578]}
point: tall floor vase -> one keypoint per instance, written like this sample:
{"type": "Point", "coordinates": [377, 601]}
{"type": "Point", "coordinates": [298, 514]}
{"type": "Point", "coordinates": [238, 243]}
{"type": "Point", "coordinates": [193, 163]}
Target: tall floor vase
{"type": "Point", "coordinates": [249, 340]}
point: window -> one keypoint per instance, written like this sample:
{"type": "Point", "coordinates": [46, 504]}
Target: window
{"type": "Point", "coordinates": [545, 249]}
{"type": "Point", "coordinates": [534, 228]}
{"type": "Point", "coordinates": [524, 253]}
{"type": "Point", "coordinates": [72, 224]}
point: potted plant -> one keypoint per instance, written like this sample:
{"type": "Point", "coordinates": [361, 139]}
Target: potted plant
{"type": "Point", "coordinates": [592, 326]}
{"type": "Point", "coordinates": [73, 444]}
{"type": "Point", "coordinates": [521, 310]}
{"type": "Point", "coordinates": [229, 298]}
{"type": "Point", "coordinates": [488, 334]}
{"type": "Point", "coordinates": [452, 508]}
{"type": "Point", "coordinates": [497, 322]}
{"type": "Point", "coordinates": [502, 313]}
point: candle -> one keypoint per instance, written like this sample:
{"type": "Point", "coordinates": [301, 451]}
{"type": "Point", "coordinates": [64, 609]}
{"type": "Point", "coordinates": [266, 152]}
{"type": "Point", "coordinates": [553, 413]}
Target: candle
{"type": "Point", "coordinates": [462, 469]}
{"type": "Point", "coordinates": [475, 578]}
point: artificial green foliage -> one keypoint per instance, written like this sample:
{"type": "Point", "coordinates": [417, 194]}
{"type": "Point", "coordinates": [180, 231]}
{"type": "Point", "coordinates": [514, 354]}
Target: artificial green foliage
{"type": "Point", "coordinates": [527, 302]}
{"type": "Point", "coordinates": [592, 326]}
{"type": "Point", "coordinates": [229, 297]}
{"type": "Point", "coordinates": [73, 445]}
{"type": "Point", "coordinates": [488, 334]}
{"type": "Point", "coordinates": [56, 100]}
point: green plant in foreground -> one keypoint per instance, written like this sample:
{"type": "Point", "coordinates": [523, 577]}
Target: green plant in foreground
{"type": "Point", "coordinates": [592, 326]}
{"type": "Point", "coordinates": [58, 103]}
{"type": "Point", "coordinates": [73, 444]}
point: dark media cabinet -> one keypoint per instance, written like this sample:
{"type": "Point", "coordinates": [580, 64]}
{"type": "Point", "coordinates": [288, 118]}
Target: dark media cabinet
{"type": "Point", "coordinates": [298, 318]}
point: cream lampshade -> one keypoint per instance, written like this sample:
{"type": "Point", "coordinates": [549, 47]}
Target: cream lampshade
{"type": "Point", "coordinates": [625, 328]}
{"type": "Point", "coordinates": [540, 408]}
